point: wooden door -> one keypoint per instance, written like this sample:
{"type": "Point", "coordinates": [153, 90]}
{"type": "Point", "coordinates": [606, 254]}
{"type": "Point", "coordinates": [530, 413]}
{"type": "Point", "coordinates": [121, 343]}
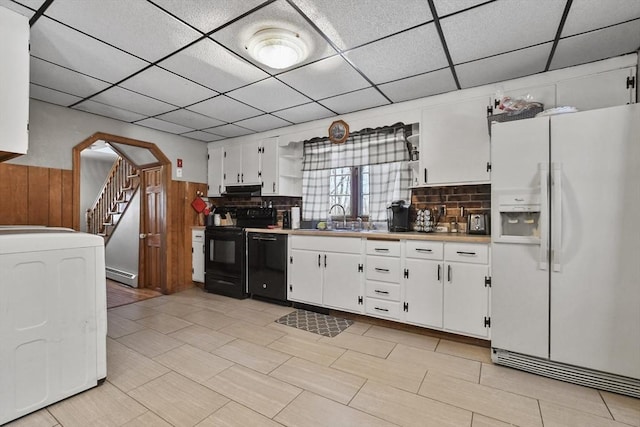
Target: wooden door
{"type": "Point", "coordinates": [151, 228]}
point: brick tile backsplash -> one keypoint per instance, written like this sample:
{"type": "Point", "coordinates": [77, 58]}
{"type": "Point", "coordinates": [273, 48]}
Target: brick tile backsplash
{"type": "Point", "coordinates": [474, 199]}
{"type": "Point", "coordinates": [279, 202]}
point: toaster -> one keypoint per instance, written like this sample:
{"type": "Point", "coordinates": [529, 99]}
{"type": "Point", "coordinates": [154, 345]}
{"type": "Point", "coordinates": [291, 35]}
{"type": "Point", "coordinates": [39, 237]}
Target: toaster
{"type": "Point", "coordinates": [478, 224]}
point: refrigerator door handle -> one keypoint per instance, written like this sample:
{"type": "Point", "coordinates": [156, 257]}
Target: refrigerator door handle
{"type": "Point", "coordinates": [543, 262]}
{"type": "Point", "coordinates": [556, 220]}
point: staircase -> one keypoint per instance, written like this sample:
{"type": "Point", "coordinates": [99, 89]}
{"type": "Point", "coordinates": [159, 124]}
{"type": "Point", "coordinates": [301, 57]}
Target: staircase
{"type": "Point", "coordinates": [121, 184]}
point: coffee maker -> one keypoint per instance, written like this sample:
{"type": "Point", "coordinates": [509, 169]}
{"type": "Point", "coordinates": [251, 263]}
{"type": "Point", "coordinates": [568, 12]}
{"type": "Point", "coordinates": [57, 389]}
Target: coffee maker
{"type": "Point", "coordinates": [398, 216]}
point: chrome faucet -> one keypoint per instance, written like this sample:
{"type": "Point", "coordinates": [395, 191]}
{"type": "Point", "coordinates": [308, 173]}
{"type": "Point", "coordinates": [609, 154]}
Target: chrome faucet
{"type": "Point", "coordinates": [344, 214]}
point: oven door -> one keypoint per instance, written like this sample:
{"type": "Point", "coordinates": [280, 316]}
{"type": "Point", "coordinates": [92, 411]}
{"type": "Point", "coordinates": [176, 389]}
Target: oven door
{"type": "Point", "coordinates": [224, 253]}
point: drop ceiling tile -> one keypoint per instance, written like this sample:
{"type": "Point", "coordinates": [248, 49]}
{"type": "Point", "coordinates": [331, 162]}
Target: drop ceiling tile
{"type": "Point", "coordinates": [269, 95]}
{"type": "Point", "coordinates": [504, 67]}
{"type": "Point", "coordinates": [154, 123]}
{"type": "Point", "coordinates": [596, 45]}
{"type": "Point", "coordinates": [230, 131]}
{"type": "Point", "coordinates": [262, 123]}
{"type": "Point", "coordinates": [350, 23]}
{"type": "Point", "coordinates": [66, 47]}
{"type": "Point", "coordinates": [447, 7]}
{"type": "Point", "coordinates": [207, 15]}
{"type": "Point", "coordinates": [140, 28]}
{"type": "Point", "coordinates": [225, 109]}
{"type": "Point", "coordinates": [354, 101]}
{"type": "Point", "coordinates": [325, 78]}
{"type": "Point", "coordinates": [132, 101]}
{"type": "Point", "coordinates": [587, 15]}
{"type": "Point", "coordinates": [500, 27]}
{"type": "Point", "coordinates": [33, 4]}
{"type": "Point", "coordinates": [427, 84]}
{"type": "Point", "coordinates": [304, 113]}
{"type": "Point", "coordinates": [190, 119]}
{"type": "Point", "coordinates": [211, 65]}
{"type": "Point", "coordinates": [52, 96]}
{"type": "Point", "coordinates": [168, 87]}
{"type": "Point", "coordinates": [203, 136]}
{"type": "Point", "coordinates": [278, 14]}
{"type": "Point", "coordinates": [22, 10]}
{"type": "Point", "coordinates": [403, 55]}
{"type": "Point", "coordinates": [108, 111]}
{"type": "Point", "coordinates": [59, 78]}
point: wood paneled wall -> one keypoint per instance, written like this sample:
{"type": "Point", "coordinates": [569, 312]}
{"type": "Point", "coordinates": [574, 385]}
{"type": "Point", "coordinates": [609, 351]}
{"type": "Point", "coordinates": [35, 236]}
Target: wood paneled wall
{"type": "Point", "coordinates": [43, 196]}
{"type": "Point", "coordinates": [181, 218]}
{"type": "Point", "coordinates": [35, 196]}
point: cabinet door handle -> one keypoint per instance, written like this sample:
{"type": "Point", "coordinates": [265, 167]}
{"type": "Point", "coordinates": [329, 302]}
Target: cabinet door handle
{"type": "Point", "coordinates": [381, 309]}
{"type": "Point", "coordinates": [238, 178]}
{"type": "Point", "coordinates": [383, 270]}
{"type": "Point", "coordinates": [325, 260]}
{"type": "Point", "coordinates": [449, 273]}
{"type": "Point", "coordinates": [423, 250]}
{"type": "Point", "coordinates": [381, 249]}
{"type": "Point", "coordinates": [439, 272]}
{"type": "Point", "coordinates": [219, 189]}
{"type": "Point", "coordinates": [425, 175]}
{"type": "Point", "coordinates": [466, 253]}
{"type": "Point", "coordinates": [274, 187]}
{"type": "Point", "coordinates": [319, 260]}
{"type": "Point", "coordinates": [241, 177]}
{"type": "Point", "coordinates": [378, 291]}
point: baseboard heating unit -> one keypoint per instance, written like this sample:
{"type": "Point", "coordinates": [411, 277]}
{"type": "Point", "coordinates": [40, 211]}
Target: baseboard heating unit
{"type": "Point", "coordinates": [573, 374]}
{"type": "Point", "coordinates": [122, 276]}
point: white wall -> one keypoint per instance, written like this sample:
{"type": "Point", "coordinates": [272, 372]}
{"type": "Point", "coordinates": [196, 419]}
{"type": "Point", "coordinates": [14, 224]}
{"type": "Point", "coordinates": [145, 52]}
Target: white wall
{"type": "Point", "coordinates": [55, 130]}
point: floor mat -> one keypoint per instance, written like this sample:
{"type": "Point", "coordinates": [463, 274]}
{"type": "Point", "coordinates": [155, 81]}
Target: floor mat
{"type": "Point", "coordinates": [317, 323]}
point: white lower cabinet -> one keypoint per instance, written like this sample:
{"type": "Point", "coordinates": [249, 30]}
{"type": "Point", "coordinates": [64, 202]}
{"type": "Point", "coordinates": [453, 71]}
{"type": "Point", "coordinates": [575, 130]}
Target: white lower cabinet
{"type": "Point", "coordinates": [197, 255]}
{"type": "Point", "coordinates": [439, 285]}
{"type": "Point", "coordinates": [305, 277]}
{"type": "Point", "coordinates": [466, 289]}
{"type": "Point", "coordinates": [423, 292]}
{"type": "Point", "coordinates": [326, 271]}
{"type": "Point", "coordinates": [343, 281]}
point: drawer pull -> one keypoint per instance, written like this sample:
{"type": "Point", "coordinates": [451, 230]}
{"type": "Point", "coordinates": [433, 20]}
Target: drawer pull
{"type": "Point", "coordinates": [382, 270]}
{"type": "Point", "coordinates": [466, 253]}
{"type": "Point", "coordinates": [378, 291]}
{"type": "Point", "coordinates": [381, 249]}
{"type": "Point", "coordinates": [424, 250]}
{"type": "Point", "coordinates": [380, 309]}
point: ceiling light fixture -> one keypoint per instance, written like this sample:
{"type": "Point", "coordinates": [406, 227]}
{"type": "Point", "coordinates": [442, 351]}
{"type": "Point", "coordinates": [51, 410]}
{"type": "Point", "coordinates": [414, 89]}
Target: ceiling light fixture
{"type": "Point", "coordinates": [277, 48]}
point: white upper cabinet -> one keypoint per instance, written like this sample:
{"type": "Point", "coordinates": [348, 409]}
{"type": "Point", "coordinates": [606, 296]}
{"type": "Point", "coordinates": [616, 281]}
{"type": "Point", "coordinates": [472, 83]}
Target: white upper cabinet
{"type": "Point", "coordinates": [607, 89]}
{"type": "Point", "coordinates": [14, 84]}
{"type": "Point", "coordinates": [269, 166]}
{"type": "Point", "coordinates": [214, 171]}
{"type": "Point", "coordinates": [241, 163]}
{"type": "Point", "coordinates": [454, 143]}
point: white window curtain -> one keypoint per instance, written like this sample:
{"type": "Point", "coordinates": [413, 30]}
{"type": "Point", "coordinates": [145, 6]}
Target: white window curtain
{"type": "Point", "coordinates": [383, 149]}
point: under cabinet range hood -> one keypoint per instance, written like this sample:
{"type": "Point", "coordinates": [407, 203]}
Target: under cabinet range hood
{"type": "Point", "coordinates": [243, 190]}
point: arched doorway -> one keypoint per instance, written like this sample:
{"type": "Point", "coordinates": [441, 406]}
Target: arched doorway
{"type": "Point", "coordinates": [155, 182]}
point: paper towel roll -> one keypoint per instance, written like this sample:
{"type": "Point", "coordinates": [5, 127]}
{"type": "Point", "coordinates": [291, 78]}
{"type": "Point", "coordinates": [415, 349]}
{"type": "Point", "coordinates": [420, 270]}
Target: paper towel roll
{"type": "Point", "coordinates": [295, 217]}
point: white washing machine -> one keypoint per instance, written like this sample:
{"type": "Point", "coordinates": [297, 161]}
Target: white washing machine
{"type": "Point", "coordinates": [53, 317]}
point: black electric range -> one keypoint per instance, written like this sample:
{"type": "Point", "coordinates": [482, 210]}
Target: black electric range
{"type": "Point", "coordinates": [225, 251]}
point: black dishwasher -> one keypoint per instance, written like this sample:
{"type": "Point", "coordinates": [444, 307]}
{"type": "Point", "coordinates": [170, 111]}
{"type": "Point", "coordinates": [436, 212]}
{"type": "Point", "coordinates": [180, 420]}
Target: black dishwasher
{"type": "Point", "coordinates": [267, 265]}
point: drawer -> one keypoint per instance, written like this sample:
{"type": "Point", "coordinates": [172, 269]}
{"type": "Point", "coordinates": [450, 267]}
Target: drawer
{"type": "Point", "coordinates": [351, 245]}
{"type": "Point", "coordinates": [385, 269]}
{"type": "Point", "coordinates": [383, 308]}
{"type": "Point", "coordinates": [424, 249]}
{"type": "Point", "coordinates": [466, 252]}
{"type": "Point", "coordinates": [383, 247]}
{"type": "Point", "coordinates": [383, 290]}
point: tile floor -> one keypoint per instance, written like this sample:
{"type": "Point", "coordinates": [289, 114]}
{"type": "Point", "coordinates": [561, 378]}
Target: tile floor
{"type": "Point", "coordinates": [197, 359]}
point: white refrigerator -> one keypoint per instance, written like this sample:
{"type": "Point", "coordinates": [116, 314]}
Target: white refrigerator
{"type": "Point", "coordinates": [566, 246]}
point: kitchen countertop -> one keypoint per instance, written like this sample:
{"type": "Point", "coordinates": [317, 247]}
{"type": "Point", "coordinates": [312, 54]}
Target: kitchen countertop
{"type": "Point", "coordinates": [382, 235]}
